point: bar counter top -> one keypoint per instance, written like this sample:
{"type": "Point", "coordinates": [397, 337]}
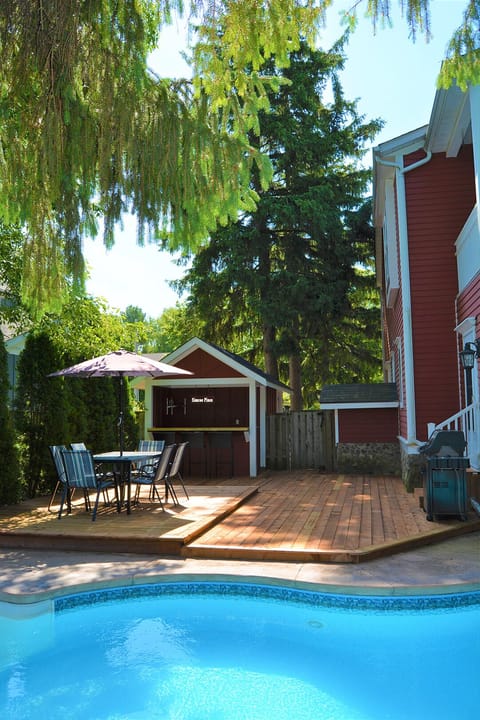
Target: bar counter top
{"type": "Point", "coordinates": [199, 429]}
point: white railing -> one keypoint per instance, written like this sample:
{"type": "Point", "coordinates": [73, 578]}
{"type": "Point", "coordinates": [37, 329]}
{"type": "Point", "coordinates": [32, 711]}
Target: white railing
{"type": "Point", "coordinates": [466, 420]}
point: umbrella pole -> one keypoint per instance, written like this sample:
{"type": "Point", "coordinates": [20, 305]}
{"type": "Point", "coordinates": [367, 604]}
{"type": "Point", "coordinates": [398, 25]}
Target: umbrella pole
{"type": "Point", "coordinates": [120, 419]}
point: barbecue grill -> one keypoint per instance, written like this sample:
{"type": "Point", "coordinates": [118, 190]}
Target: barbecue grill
{"type": "Point", "coordinates": [444, 475]}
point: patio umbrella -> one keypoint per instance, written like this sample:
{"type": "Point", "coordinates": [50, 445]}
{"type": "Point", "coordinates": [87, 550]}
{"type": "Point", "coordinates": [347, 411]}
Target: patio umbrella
{"type": "Point", "coordinates": [121, 364]}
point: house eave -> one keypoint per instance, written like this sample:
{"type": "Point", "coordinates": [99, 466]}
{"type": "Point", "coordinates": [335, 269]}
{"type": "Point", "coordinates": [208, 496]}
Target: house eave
{"type": "Point", "coordinates": [449, 121]}
{"type": "Point", "coordinates": [358, 406]}
{"type": "Point", "coordinates": [386, 157]}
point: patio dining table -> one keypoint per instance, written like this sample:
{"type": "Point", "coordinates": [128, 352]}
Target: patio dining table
{"type": "Point", "coordinates": [128, 460]}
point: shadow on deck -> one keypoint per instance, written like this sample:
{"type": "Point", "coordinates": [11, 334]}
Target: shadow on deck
{"type": "Point", "coordinates": [299, 516]}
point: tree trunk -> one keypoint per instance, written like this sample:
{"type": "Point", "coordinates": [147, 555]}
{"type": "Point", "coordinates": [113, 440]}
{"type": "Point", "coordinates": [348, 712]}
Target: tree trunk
{"type": "Point", "coordinates": [295, 382]}
{"type": "Point", "coordinates": [295, 371]}
{"type": "Point", "coordinates": [271, 363]}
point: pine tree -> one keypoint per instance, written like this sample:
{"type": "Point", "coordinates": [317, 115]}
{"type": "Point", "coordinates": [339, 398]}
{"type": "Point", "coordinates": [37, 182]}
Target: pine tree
{"type": "Point", "coordinates": [289, 267]}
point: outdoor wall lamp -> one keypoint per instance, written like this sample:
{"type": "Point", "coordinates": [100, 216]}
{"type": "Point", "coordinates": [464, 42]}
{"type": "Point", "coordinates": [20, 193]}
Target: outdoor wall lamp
{"type": "Point", "coordinates": [467, 358]}
{"type": "Point", "coordinates": [469, 353]}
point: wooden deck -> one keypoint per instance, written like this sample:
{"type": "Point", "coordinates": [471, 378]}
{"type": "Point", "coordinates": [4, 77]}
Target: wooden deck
{"type": "Point", "coordinates": [300, 516]}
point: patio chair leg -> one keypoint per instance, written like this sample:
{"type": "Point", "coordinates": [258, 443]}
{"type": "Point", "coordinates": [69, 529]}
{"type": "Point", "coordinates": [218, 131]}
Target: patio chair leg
{"type": "Point", "coordinates": [154, 491]}
{"type": "Point", "coordinates": [65, 497]}
{"type": "Point", "coordinates": [169, 486]}
{"type": "Point", "coordinates": [52, 496]}
{"type": "Point", "coordinates": [183, 485]}
{"type": "Point", "coordinates": [95, 508]}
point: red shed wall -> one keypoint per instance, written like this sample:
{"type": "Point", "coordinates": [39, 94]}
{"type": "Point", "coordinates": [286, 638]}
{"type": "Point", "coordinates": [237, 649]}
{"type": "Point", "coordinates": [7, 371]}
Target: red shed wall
{"type": "Point", "coordinates": [203, 365]}
{"type": "Point", "coordinates": [368, 425]}
{"type": "Point", "coordinates": [271, 401]}
{"type": "Point", "coordinates": [440, 196]}
{"type": "Point", "coordinates": [200, 407]}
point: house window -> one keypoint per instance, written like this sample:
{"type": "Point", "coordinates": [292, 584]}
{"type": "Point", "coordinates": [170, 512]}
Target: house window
{"type": "Point", "coordinates": [390, 245]}
{"type": "Point", "coordinates": [397, 366]}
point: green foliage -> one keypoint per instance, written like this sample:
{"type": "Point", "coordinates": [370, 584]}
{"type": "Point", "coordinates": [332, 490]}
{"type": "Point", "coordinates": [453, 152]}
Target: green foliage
{"type": "Point", "coordinates": [51, 411]}
{"type": "Point", "coordinates": [74, 146]}
{"type": "Point", "coordinates": [85, 328]}
{"type": "Point", "coordinates": [12, 310]}
{"type": "Point", "coordinates": [10, 478]}
{"type": "Point", "coordinates": [40, 411]}
{"type": "Point", "coordinates": [462, 64]}
{"type": "Point", "coordinates": [173, 328]}
{"type": "Point", "coordinates": [133, 314]}
{"type": "Point", "coordinates": [73, 142]}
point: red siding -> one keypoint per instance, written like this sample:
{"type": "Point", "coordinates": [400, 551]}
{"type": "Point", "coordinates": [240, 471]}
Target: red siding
{"type": "Point", "coordinates": [200, 407]}
{"type": "Point", "coordinates": [468, 305]}
{"type": "Point", "coordinates": [440, 196]}
{"type": "Point", "coordinates": [203, 365]}
{"type": "Point", "coordinates": [375, 425]}
{"type": "Point", "coordinates": [271, 401]}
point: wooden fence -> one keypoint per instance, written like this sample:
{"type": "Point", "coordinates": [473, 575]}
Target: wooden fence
{"type": "Point", "coordinates": [298, 440]}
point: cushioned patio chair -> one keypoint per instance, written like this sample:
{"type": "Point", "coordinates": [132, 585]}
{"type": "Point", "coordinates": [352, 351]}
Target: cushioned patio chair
{"type": "Point", "coordinates": [80, 473]}
{"type": "Point", "coordinates": [175, 474]}
{"type": "Point", "coordinates": [144, 477]}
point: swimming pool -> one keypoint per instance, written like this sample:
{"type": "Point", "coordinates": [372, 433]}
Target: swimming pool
{"type": "Point", "coordinates": [227, 651]}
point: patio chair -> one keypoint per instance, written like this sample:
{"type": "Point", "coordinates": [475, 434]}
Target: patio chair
{"type": "Point", "coordinates": [78, 446]}
{"type": "Point", "coordinates": [56, 453]}
{"type": "Point", "coordinates": [148, 446]}
{"type": "Point", "coordinates": [174, 474]}
{"type": "Point", "coordinates": [152, 480]}
{"type": "Point", "coordinates": [151, 445]}
{"type": "Point", "coordinates": [80, 473]}
{"type": "Point", "coordinates": [98, 466]}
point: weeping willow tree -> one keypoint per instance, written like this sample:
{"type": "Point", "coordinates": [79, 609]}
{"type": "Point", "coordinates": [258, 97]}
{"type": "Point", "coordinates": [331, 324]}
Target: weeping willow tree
{"type": "Point", "coordinates": [86, 131]}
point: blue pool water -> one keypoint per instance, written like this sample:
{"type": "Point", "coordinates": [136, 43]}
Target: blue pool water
{"type": "Point", "coordinates": [209, 651]}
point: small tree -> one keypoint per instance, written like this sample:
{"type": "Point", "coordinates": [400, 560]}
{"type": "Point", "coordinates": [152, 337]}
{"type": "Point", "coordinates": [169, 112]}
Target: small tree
{"type": "Point", "coordinates": [10, 479]}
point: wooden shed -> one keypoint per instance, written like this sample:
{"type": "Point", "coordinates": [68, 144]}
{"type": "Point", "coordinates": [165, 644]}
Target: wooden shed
{"type": "Point", "coordinates": [220, 410]}
{"type": "Point", "coordinates": [366, 426]}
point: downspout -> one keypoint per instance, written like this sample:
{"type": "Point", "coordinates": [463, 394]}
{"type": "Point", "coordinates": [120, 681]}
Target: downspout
{"type": "Point", "coordinates": [406, 291]}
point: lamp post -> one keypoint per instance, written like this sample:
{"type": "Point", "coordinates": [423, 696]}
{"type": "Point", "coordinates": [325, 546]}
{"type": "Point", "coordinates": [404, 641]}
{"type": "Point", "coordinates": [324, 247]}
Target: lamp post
{"type": "Point", "coordinates": [467, 358]}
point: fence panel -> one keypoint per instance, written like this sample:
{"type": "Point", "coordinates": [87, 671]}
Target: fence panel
{"type": "Point", "coordinates": [300, 440]}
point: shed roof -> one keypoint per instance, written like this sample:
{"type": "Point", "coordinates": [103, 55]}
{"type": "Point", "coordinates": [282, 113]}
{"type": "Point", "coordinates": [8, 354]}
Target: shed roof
{"type": "Point", "coordinates": [231, 359]}
{"type": "Point", "coordinates": [359, 395]}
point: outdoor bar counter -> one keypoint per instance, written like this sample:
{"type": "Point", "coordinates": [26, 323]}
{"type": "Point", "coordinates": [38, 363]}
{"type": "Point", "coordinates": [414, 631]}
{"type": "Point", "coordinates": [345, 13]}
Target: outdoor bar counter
{"type": "Point", "coordinates": [212, 452]}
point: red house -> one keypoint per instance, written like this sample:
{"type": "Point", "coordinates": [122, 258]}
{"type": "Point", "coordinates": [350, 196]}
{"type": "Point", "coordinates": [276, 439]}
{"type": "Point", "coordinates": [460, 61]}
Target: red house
{"type": "Point", "coordinates": [427, 221]}
{"type": "Point", "coordinates": [428, 259]}
{"type": "Point", "coordinates": [220, 410]}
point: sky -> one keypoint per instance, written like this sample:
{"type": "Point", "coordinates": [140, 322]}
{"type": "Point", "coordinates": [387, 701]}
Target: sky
{"type": "Point", "coordinates": [391, 78]}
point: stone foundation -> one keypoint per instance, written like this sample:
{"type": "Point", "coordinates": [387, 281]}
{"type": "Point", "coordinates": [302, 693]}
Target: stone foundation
{"type": "Point", "coordinates": [369, 458]}
{"type": "Point", "coordinates": [411, 473]}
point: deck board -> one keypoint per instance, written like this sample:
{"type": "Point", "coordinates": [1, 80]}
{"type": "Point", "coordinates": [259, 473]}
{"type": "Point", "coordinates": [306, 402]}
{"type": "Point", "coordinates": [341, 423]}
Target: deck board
{"type": "Point", "coordinates": [299, 516]}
